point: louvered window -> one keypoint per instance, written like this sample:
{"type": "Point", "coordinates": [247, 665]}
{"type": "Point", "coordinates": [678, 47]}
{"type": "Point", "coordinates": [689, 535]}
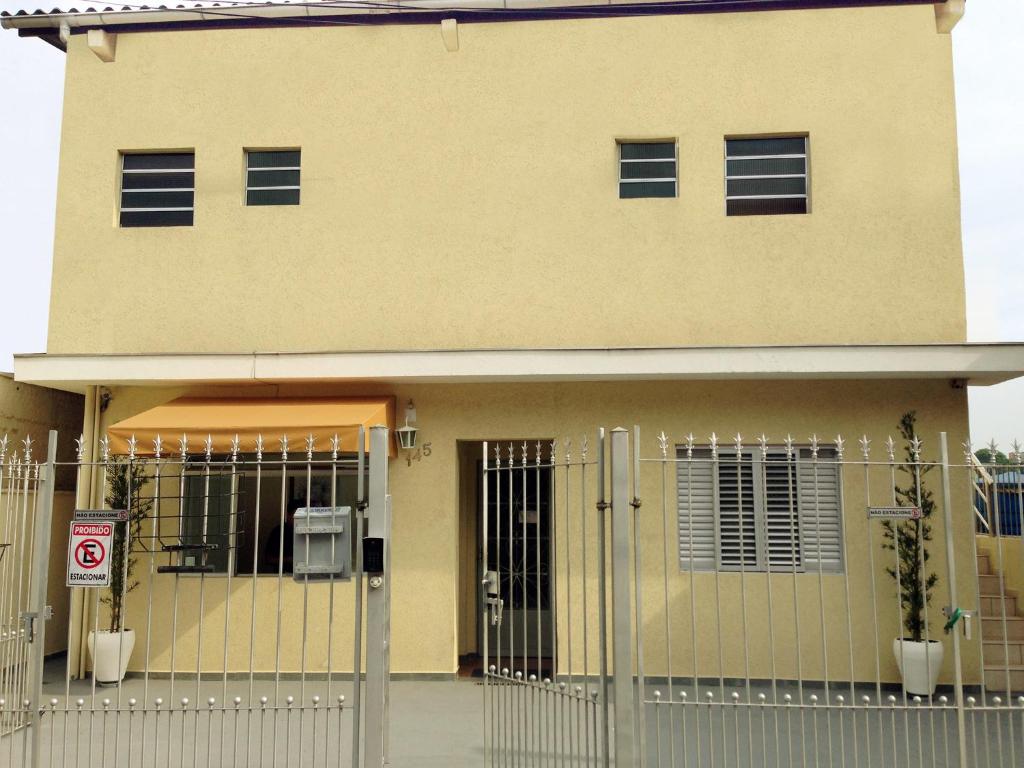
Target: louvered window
{"type": "Point", "coordinates": [647, 169]}
{"type": "Point", "coordinates": [765, 176]}
{"type": "Point", "coordinates": [272, 177]}
{"type": "Point", "coordinates": [754, 513]}
{"type": "Point", "coordinates": [157, 190]}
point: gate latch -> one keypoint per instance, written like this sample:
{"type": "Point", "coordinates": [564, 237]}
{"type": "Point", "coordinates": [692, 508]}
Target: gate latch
{"type": "Point", "coordinates": [494, 603]}
{"type": "Point", "coordinates": [29, 618]}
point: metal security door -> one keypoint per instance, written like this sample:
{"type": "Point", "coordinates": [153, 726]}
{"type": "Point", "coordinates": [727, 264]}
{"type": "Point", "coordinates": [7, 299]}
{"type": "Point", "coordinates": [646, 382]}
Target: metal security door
{"type": "Point", "coordinates": [519, 549]}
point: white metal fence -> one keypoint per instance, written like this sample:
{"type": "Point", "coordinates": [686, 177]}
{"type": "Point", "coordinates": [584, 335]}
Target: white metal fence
{"type": "Point", "coordinates": [751, 603]}
{"type": "Point", "coordinates": [248, 628]}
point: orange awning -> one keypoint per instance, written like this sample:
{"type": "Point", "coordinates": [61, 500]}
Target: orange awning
{"type": "Point", "coordinates": [224, 418]}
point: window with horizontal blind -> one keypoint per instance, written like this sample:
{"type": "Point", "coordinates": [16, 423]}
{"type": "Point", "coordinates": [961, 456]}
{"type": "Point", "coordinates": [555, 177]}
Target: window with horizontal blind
{"type": "Point", "coordinates": [759, 512]}
{"type": "Point", "coordinates": [272, 177]}
{"type": "Point", "coordinates": [766, 176]}
{"type": "Point", "coordinates": [647, 169]}
{"type": "Point", "coordinates": [157, 189]}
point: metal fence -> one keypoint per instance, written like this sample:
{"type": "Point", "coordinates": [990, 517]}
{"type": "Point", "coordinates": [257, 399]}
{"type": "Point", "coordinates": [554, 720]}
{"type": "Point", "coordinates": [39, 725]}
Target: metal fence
{"type": "Point", "coordinates": [747, 603]}
{"type": "Point", "coordinates": [241, 646]}
{"type": "Point", "coordinates": [19, 485]}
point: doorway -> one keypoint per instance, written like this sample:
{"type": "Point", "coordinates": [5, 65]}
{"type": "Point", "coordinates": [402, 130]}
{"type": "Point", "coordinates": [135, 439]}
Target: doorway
{"type": "Point", "coordinates": [519, 546]}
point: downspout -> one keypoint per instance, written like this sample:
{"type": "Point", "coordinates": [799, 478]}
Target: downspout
{"type": "Point", "coordinates": [80, 608]}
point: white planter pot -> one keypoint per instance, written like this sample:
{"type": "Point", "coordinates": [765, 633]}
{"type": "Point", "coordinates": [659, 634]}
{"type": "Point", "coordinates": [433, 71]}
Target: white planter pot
{"type": "Point", "coordinates": [107, 649]}
{"type": "Point", "coordinates": [919, 664]}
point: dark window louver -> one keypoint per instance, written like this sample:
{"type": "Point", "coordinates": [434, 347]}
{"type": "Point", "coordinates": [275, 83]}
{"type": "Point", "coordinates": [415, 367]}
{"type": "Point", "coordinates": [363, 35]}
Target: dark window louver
{"type": "Point", "coordinates": [272, 177]}
{"type": "Point", "coordinates": [157, 190]}
{"type": "Point", "coordinates": [766, 176]}
{"type": "Point", "coordinates": [647, 169]}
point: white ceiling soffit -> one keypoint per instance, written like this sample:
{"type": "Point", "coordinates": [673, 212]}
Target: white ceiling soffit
{"type": "Point", "coordinates": [976, 364]}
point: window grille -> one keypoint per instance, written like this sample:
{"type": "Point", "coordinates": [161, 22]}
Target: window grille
{"type": "Point", "coordinates": [272, 177]}
{"type": "Point", "coordinates": [157, 190]}
{"type": "Point", "coordinates": [765, 176]}
{"type": "Point", "coordinates": [756, 513]}
{"type": "Point", "coordinates": [647, 169]}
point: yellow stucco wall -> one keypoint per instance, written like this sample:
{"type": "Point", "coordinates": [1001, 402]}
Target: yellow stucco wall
{"type": "Point", "coordinates": [469, 199]}
{"type": "Point", "coordinates": [427, 569]}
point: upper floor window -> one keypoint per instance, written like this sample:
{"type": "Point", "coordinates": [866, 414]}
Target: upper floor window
{"type": "Point", "coordinates": [774, 512]}
{"type": "Point", "coordinates": [647, 169]}
{"type": "Point", "coordinates": [157, 189]}
{"type": "Point", "coordinates": [765, 176]}
{"type": "Point", "coordinates": [272, 177]}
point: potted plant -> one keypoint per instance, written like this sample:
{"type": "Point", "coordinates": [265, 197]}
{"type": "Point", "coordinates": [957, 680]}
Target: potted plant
{"type": "Point", "coordinates": [111, 648]}
{"type": "Point", "coordinates": [919, 660]}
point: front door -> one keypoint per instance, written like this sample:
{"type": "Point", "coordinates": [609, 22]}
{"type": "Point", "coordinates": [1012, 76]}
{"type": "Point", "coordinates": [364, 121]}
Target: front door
{"type": "Point", "coordinates": [519, 537]}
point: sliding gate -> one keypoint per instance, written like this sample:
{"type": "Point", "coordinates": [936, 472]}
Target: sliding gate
{"type": "Point", "coordinates": [250, 582]}
{"type": "Point", "coordinates": [725, 602]}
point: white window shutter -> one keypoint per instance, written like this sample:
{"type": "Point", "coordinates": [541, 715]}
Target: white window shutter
{"type": "Point", "coordinates": [781, 513]}
{"type": "Point", "coordinates": [737, 516]}
{"type": "Point", "coordinates": [695, 493]}
{"type": "Point", "coordinates": [820, 504]}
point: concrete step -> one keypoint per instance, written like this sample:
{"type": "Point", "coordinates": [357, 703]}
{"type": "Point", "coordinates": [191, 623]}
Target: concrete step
{"type": "Point", "coordinates": [984, 563]}
{"type": "Point", "coordinates": [990, 584]}
{"type": "Point", "coordinates": [1012, 628]}
{"type": "Point", "coordinates": [990, 607]}
{"type": "Point", "coordinates": [997, 652]}
{"type": "Point", "coordinates": [997, 678]}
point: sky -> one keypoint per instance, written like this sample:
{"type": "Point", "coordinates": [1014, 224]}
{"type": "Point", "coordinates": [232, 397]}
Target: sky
{"type": "Point", "coordinates": [990, 112]}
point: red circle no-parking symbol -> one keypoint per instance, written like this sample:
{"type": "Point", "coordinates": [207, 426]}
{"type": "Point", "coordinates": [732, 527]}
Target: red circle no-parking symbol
{"type": "Point", "coordinates": [90, 553]}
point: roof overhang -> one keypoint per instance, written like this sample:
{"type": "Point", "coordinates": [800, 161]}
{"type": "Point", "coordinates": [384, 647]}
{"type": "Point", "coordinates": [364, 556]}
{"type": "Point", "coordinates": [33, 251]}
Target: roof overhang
{"type": "Point", "coordinates": [120, 18]}
{"type": "Point", "coordinates": [975, 364]}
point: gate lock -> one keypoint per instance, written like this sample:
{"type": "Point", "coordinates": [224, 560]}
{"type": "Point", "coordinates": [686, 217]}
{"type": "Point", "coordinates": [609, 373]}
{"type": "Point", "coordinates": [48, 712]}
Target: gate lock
{"type": "Point", "coordinates": [29, 619]}
{"type": "Point", "coordinates": [494, 603]}
{"type": "Point", "coordinates": [953, 615]}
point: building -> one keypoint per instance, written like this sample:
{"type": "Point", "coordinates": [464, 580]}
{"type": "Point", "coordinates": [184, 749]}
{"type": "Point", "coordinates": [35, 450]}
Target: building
{"type": "Point", "coordinates": [522, 222]}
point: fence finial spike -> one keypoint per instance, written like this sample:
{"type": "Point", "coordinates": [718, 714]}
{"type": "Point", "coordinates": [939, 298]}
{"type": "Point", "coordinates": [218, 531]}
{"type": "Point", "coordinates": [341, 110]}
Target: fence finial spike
{"type": "Point", "coordinates": [284, 447]}
{"type": "Point", "coordinates": [814, 446]}
{"type": "Point", "coordinates": [259, 446]}
{"type": "Point", "coordinates": [763, 442]}
{"type": "Point", "coordinates": [968, 450]}
{"type": "Point", "coordinates": [663, 444]}
{"type": "Point", "coordinates": [993, 448]}
{"type": "Point", "coordinates": [497, 455]}
{"type": "Point", "coordinates": [583, 448]}
{"type": "Point", "coordinates": [689, 445]}
{"type": "Point", "coordinates": [714, 445]}
{"type": "Point", "coordinates": [335, 447]}
{"type": "Point", "coordinates": [208, 447]}
{"type": "Point", "coordinates": [840, 443]}
{"type": "Point", "coordinates": [79, 448]}
{"type": "Point", "coordinates": [554, 450]}
{"type": "Point", "coordinates": [235, 442]}
{"type": "Point", "coordinates": [183, 447]}
{"type": "Point", "coordinates": [568, 450]}
{"type": "Point", "coordinates": [158, 445]}
{"type": "Point", "coordinates": [865, 446]}
{"type": "Point", "coordinates": [738, 441]}
{"type": "Point", "coordinates": [310, 443]}
{"type": "Point", "coordinates": [132, 445]}
{"type": "Point", "coordinates": [536, 457]}
{"type": "Point", "coordinates": [915, 448]}
{"type": "Point", "coordinates": [27, 442]}
{"type": "Point", "coordinates": [105, 449]}
{"type": "Point", "coordinates": [1015, 446]}
{"type": "Point", "coordinates": [523, 457]}
{"type": "Point", "coordinates": [890, 447]}
{"type": "Point", "coordinates": [788, 442]}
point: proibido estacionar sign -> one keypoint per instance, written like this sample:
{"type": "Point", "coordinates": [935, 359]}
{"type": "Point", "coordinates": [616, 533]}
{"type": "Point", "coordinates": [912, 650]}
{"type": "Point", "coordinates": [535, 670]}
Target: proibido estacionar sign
{"type": "Point", "coordinates": [89, 554]}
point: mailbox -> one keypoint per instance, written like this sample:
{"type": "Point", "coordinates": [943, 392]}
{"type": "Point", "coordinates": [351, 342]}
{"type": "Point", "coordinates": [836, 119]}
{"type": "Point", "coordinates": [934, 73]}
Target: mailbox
{"type": "Point", "coordinates": [322, 543]}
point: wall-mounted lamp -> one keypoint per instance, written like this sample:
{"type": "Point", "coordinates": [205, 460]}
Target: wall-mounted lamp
{"type": "Point", "coordinates": [406, 435]}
